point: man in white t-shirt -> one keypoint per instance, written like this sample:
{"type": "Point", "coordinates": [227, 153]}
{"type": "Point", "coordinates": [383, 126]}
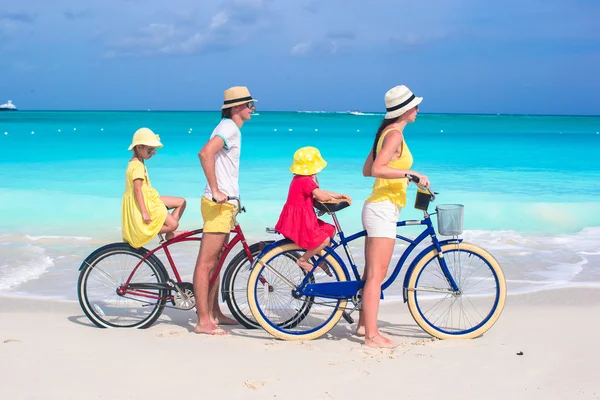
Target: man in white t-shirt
{"type": "Point", "coordinates": [220, 159]}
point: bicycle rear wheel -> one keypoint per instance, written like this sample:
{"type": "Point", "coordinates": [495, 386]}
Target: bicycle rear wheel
{"type": "Point", "coordinates": [277, 310]}
{"type": "Point", "coordinates": [107, 269]}
{"type": "Point", "coordinates": [471, 311]}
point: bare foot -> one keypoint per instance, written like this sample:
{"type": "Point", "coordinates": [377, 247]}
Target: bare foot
{"type": "Point", "coordinates": [360, 331]}
{"type": "Point", "coordinates": [210, 329]}
{"type": "Point", "coordinates": [380, 342]}
{"type": "Point", "coordinates": [223, 320]}
{"type": "Point", "coordinates": [174, 234]}
{"type": "Point", "coordinates": [305, 265]}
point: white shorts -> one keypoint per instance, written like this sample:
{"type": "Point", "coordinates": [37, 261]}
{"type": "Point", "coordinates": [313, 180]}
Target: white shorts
{"type": "Point", "coordinates": [379, 219]}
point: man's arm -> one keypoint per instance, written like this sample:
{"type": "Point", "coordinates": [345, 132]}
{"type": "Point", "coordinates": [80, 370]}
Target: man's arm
{"type": "Point", "coordinates": [207, 160]}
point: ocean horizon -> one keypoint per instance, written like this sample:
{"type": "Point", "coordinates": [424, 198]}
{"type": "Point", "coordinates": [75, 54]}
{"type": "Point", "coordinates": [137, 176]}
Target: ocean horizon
{"type": "Point", "coordinates": [528, 183]}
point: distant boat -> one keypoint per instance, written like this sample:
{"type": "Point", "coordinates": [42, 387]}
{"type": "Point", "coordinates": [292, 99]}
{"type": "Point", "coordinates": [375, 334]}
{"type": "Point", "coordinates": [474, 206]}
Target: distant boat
{"type": "Point", "coordinates": [8, 106]}
{"type": "Point", "coordinates": [356, 112]}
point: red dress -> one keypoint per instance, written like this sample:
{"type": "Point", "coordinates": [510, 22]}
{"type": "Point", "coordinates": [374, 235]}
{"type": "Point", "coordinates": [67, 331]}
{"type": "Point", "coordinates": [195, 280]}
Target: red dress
{"type": "Point", "coordinates": [298, 220]}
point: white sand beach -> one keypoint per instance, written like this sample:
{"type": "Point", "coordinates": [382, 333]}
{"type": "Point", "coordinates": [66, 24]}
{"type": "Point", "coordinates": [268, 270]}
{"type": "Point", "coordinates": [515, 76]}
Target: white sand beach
{"type": "Point", "coordinates": [49, 350]}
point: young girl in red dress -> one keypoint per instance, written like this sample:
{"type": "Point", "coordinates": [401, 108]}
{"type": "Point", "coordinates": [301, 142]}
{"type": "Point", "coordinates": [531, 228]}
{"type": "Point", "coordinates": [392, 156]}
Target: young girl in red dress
{"type": "Point", "coordinates": [298, 220]}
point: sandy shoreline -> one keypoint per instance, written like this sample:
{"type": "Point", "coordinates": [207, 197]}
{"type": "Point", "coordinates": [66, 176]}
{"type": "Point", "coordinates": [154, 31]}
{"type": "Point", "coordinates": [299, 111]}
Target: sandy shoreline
{"type": "Point", "coordinates": [49, 350]}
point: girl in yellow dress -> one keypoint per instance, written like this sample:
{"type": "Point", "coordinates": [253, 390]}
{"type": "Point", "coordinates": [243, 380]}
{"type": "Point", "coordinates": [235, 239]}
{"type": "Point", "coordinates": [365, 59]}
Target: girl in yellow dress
{"type": "Point", "coordinates": [144, 213]}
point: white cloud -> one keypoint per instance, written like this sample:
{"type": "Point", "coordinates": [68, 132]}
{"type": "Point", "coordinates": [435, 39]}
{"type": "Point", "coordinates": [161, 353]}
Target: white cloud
{"type": "Point", "coordinates": [301, 49]}
{"type": "Point", "coordinates": [320, 47]}
{"type": "Point", "coordinates": [187, 33]}
{"type": "Point", "coordinates": [219, 20]}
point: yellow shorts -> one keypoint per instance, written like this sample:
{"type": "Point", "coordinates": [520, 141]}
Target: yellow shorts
{"type": "Point", "coordinates": [218, 218]}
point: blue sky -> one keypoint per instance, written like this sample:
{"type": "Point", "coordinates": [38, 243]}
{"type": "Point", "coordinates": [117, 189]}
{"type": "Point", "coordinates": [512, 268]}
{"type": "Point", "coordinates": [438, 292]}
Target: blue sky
{"type": "Point", "coordinates": [480, 56]}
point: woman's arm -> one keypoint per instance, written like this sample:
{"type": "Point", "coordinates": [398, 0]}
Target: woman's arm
{"type": "Point", "coordinates": [368, 165]}
{"type": "Point", "coordinates": [139, 198]}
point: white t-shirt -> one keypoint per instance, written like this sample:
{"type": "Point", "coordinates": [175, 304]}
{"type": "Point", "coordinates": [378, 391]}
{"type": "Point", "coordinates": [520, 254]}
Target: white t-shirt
{"type": "Point", "coordinates": [227, 159]}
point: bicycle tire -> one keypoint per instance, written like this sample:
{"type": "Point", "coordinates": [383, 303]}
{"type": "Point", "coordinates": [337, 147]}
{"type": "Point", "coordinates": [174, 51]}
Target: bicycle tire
{"type": "Point", "coordinates": [281, 330]}
{"type": "Point", "coordinates": [238, 304]}
{"type": "Point", "coordinates": [98, 314]}
{"type": "Point", "coordinates": [453, 252]}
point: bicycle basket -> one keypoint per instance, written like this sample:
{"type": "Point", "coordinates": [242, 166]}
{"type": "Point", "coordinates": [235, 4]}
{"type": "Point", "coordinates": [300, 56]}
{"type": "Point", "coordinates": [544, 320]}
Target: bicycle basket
{"type": "Point", "coordinates": [450, 219]}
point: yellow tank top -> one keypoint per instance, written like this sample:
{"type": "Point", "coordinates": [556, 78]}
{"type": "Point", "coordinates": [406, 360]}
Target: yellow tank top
{"type": "Point", "coordinates": [392, 189]}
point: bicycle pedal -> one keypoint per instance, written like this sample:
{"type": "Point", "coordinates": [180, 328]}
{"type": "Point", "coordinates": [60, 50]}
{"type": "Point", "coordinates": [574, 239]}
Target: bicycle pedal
{"type": "Point", "coordinates": [347, 317]}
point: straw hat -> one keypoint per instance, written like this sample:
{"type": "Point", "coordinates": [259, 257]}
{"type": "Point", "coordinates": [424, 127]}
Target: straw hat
{"type": "Point", "coordinates": [399, 100]}
{"type": "Point", "coordinates": [234, 96]}
{"type": "Point", "coordinates": [307, 161]}
{"type": "Point", "coordinates": [146, 137]}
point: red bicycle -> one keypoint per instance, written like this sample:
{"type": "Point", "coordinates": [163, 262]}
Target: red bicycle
{"type": "Point", "coordinates": [123, 287]}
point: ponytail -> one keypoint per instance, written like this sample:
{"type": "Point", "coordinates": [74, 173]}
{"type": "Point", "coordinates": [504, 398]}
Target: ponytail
{"type": "Point", "coordinates": [384, 124]}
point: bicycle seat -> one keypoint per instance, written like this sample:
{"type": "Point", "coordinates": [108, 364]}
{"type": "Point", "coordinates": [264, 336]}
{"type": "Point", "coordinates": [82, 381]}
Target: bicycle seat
{"type": "Point", "coordinates": [330, 207]}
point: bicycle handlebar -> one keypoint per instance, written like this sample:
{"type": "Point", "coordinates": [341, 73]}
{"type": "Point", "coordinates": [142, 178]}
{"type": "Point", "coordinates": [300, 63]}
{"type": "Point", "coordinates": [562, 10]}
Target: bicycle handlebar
{"type": "Point", "coordinates": [416, 180]}
{"type": "Point", "coordinates": [239, 207]}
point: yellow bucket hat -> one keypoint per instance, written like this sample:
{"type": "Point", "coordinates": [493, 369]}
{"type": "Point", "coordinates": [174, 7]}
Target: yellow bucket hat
{"type": "Point", "coordinates": [307, 161]}
{"type": "Point", "coordinates": [146, 137]}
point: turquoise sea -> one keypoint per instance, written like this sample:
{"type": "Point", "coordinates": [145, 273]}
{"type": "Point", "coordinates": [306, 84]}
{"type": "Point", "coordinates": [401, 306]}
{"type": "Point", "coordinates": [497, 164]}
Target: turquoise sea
{"type": "Point", "coordinates": [530, 185]}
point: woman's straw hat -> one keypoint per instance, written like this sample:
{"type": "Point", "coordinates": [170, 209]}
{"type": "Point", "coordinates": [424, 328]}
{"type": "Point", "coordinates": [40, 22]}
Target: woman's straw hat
{"type": "Point", "coordinates": [307, 161]}
{"type": "Point", "coordinates": [399, 100]}
{"type": "Point", "coordinates": [234, 96]}
{"type": "Point", "coordinates": [145, 137]}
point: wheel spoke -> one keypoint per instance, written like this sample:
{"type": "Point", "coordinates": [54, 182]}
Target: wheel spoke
{"type": "Point", "coordinates": [466, 312]}
{"type": "Point", "coordinates": [105, 273]}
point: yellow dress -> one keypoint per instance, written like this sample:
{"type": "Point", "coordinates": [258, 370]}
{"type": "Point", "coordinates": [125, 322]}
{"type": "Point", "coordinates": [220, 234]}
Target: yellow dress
{"type": "Point", "coordinates": [135, 231]}
{"type": "Point", "coordinates": [392, 189]}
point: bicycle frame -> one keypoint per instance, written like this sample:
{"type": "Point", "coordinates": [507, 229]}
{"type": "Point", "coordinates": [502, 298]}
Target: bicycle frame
{"type": "Point", "coordinates": [138, 288]}
{"type": "Point", "coordinates": [350, 288]}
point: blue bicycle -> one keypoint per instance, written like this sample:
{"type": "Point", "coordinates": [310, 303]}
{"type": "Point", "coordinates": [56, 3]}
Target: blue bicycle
{"type": "Point", "coordinates": [454, 289]}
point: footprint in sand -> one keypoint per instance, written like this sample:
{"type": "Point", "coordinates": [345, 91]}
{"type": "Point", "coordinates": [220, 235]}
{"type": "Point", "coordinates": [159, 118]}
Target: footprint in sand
{"type": "Point", "coordinates": [423, 342]}
{"type": "Point", "coordinates": [169, 334]}
{"type": "Point", "coordinates": [12, 341]}
{"type": "Point", "coordinates": [305, 344]}
{"type": "Point", "coordinates": [254, 385]}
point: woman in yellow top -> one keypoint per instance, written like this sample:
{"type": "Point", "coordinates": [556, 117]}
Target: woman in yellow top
{"type": "Point", "coordinates": [144, 213]}
{"type": "Point", "coordinates": [389, 161]}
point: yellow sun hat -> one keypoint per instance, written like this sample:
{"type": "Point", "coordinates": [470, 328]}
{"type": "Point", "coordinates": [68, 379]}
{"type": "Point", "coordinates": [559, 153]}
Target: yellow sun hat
{"type": "Point", "coordinates": [307, 161]}
{"type": "Point", "coordinates": [145, 137]}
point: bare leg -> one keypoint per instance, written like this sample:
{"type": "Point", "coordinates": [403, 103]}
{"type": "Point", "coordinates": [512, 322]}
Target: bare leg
{"type": "Point", "coordinates": [210, 247]}
{"type": "Point", "coordinates": [303, 261]}
{"type": "Point", "coordinates": [379, 253]}
{"type": "Point", "coordinates": [360, 327]}
{"type": "Point", "coordinates": [176, 203]}
{"type": "Point", "coordinates": [216, 316]}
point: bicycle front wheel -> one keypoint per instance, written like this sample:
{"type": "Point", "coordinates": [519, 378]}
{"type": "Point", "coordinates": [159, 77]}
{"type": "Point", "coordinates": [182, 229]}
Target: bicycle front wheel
{"type": "Point", "coordinates": [467, 313]}
{"type": "Point", "coordinates": [235, 285]}
{"type": "Point", "coordinates": [105, 271]}
{"type": "Point", "coordinates": [275, 308]}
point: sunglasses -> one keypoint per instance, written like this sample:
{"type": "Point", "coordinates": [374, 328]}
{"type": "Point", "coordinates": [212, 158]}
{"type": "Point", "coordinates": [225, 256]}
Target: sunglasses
{"type": "Point", "coordinates": [152, 150]}
{"type": "Point", "coordinates": [250, 104]}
